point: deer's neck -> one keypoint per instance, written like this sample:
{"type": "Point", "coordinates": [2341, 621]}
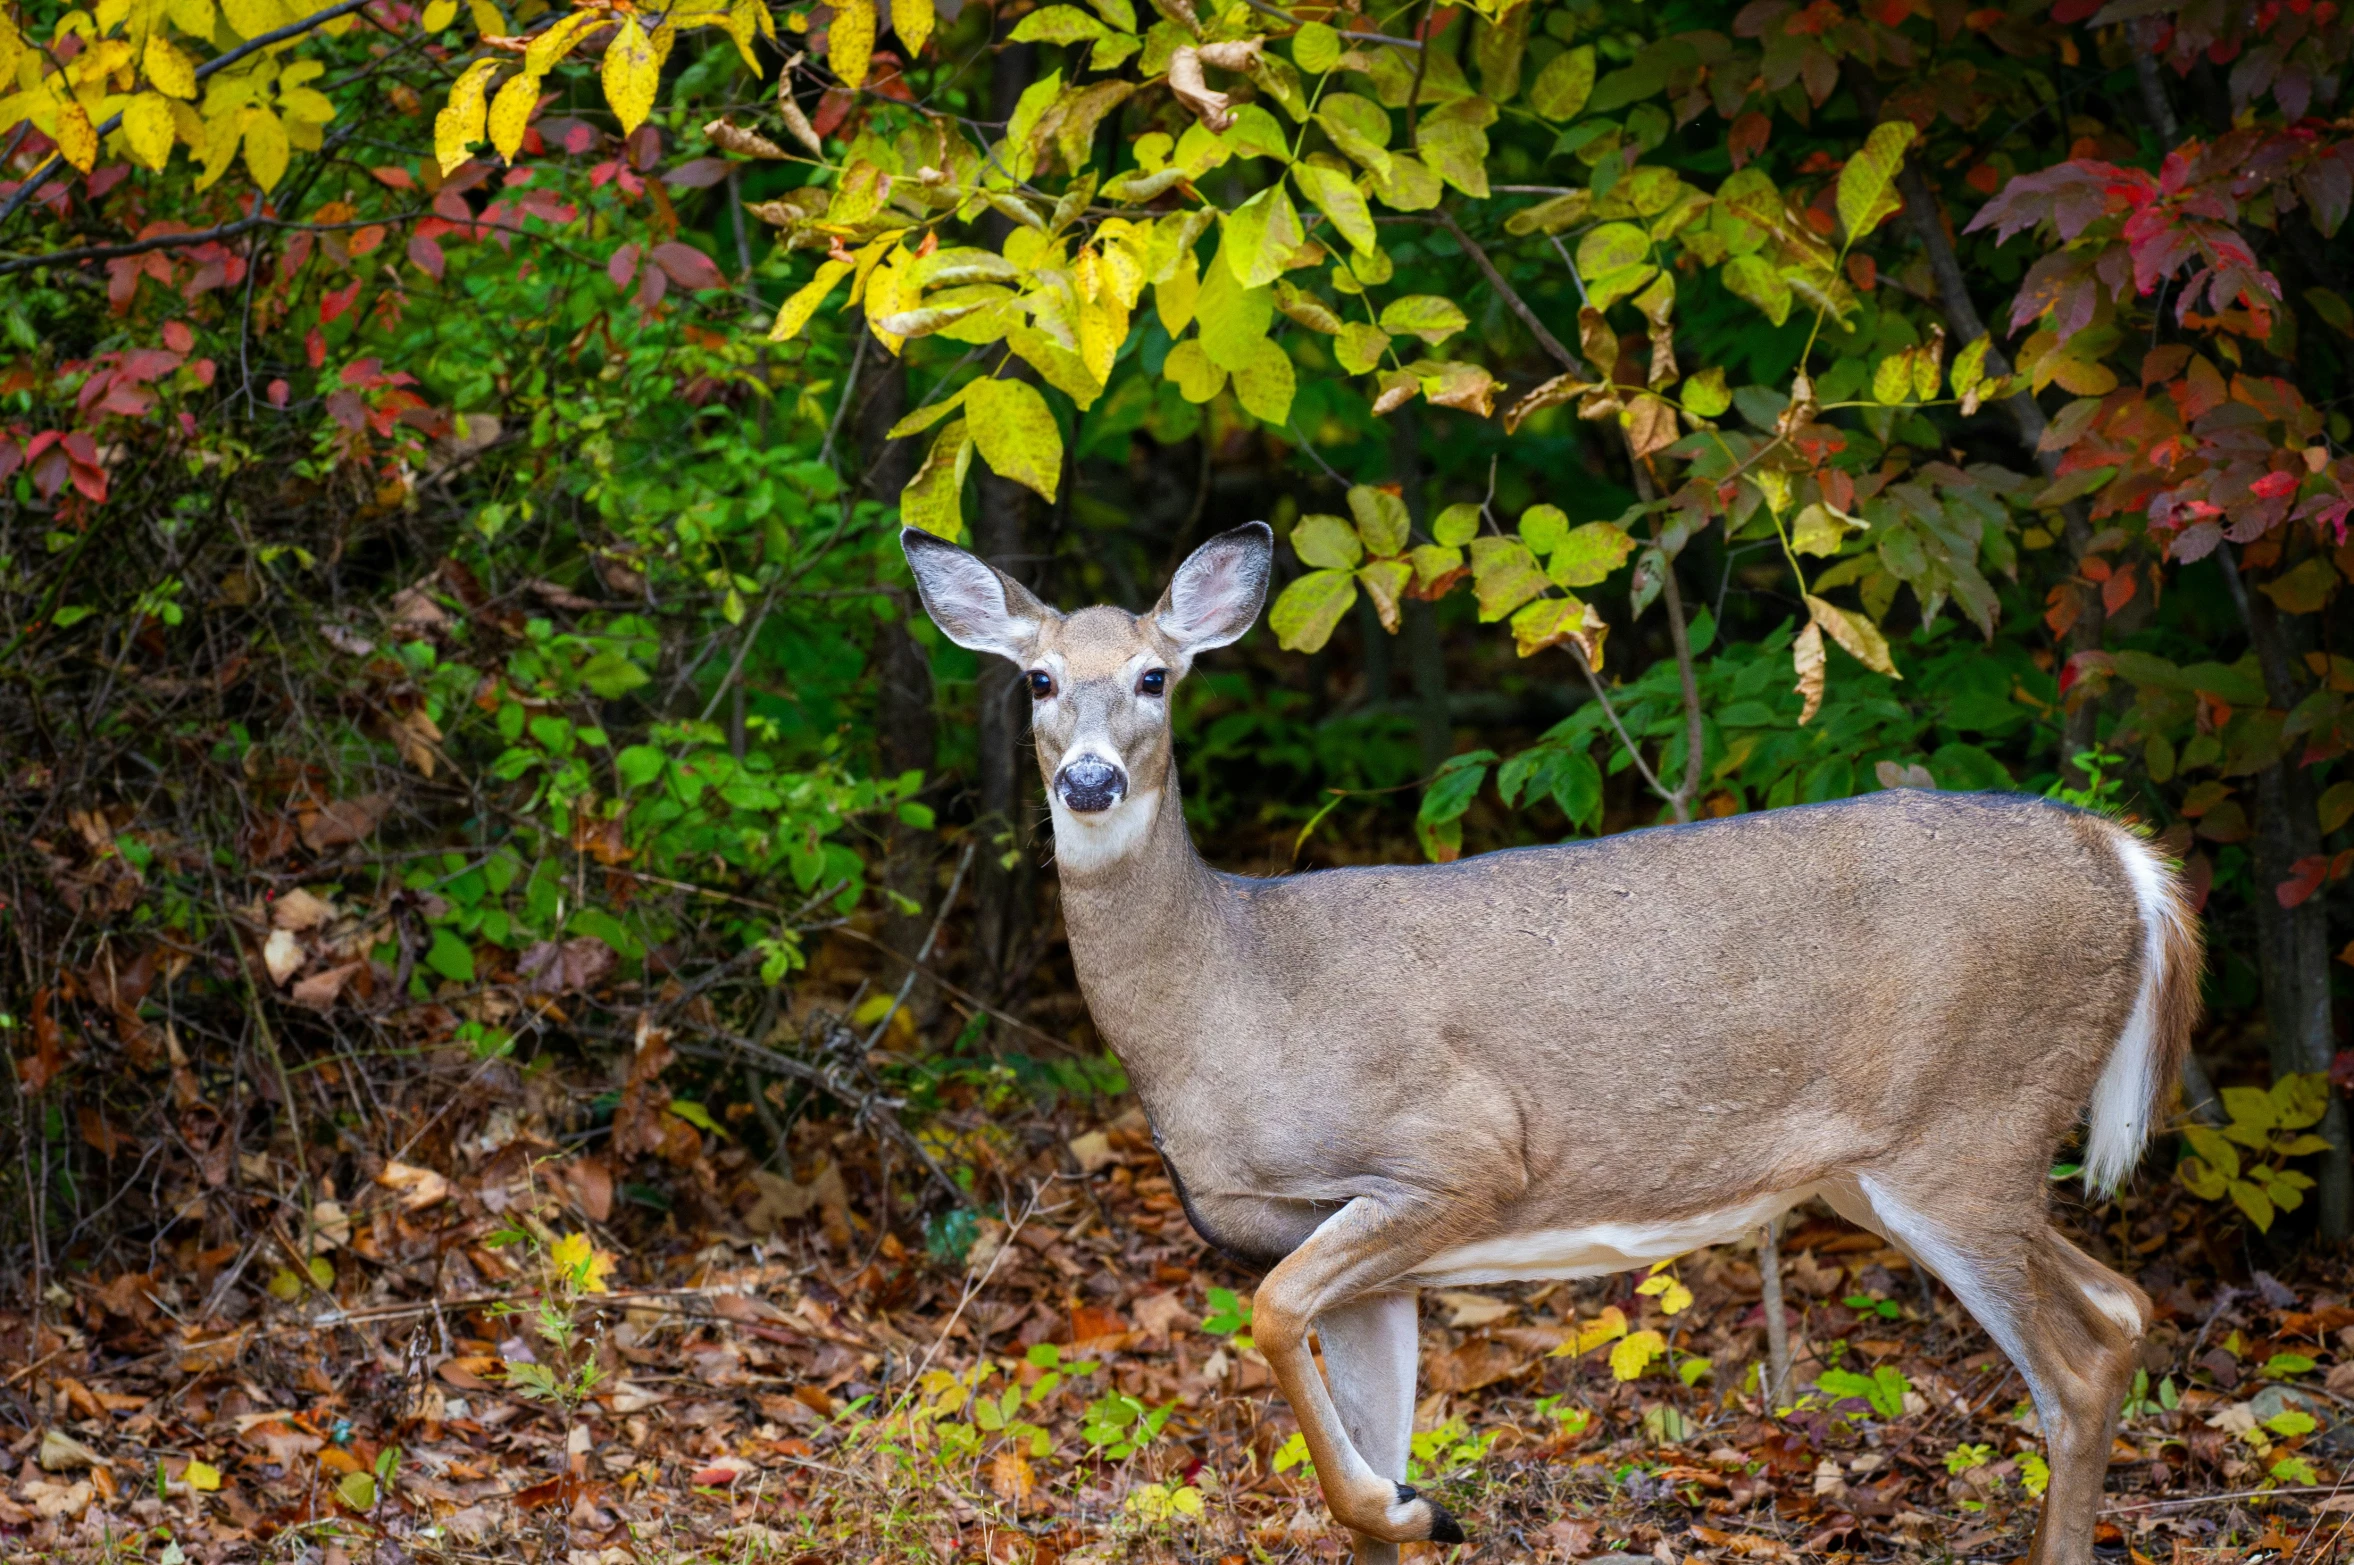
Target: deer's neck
{"type": "Point", "coordinates": [1142, 913]}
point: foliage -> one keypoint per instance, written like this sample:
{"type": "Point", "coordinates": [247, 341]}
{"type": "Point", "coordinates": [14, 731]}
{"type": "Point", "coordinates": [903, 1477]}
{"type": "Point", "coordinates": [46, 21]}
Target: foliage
{"type": "Point", "coordinates": [2272, 1126]}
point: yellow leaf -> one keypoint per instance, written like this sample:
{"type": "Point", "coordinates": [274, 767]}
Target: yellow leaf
{"type": "Point", "coordinates": [459, 125]}
{"type": "Point", "coordinates": [193, 17]}
{"type": "Point", "coordinates": [1806, 654]}
{"type": "Point", "coordinates": [795, 312]}
{"type": "Point", "coordinates": [439, 14]}
{"type": "Point", "coordinates": [1605, 1327]}
{"type": "Point", "coordinates": [487, 20]}
{"type": "Point", "coordinates": [1017, 434]}
{"type": "Point", "coordinates": [912, 21]}
{"type": "Point", "coordinates": [743, 22]}
{"type": "Point", "coordinates": [510, 114]}
{"type": "Point", "coordinates": [934, 499]}
{"type": "Point", "coordinates": [552, 45]}
{"type": "Point", "coordinates": [148, 128]}
{"type": "Point", "coordinates": [631, 75]}
{"type": "Point", "coordinates": [1858, 635]}
{"type": "Point", "coordinates": [202, 1477]}
{"type": "Point", "coordinates": [265, 148]}
{"type": "Point", "coordinates": [77, 142]}
{"type": "Point", "coordinates": [252, 18]}
{"type": "Point", "coordinates": [853, 44]}
{"type": "Point", "coordinates": [168, 70]}
{"type": "Point", "coordinates": [1634, 1353]}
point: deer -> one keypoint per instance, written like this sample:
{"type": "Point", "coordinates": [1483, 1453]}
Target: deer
{"type": "Point", "coordinates": [1573, 1060]}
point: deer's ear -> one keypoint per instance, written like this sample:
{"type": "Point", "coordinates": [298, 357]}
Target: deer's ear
{"type": "Point", "coordinates": [1216, 594]}
{"type": "Point", "coordinates": [974, 604]}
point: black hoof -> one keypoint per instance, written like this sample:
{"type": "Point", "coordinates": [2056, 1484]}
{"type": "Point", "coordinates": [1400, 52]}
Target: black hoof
{"type": "Point", "coordinates": [1443, 1527]}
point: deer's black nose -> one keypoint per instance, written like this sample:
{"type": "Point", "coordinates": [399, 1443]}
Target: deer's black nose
{"type": "Point", "coordinates": [1090, 784]}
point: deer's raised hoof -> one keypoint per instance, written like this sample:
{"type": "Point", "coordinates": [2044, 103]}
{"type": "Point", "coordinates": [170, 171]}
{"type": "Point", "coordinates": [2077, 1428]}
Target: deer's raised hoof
{"type": "Point", "coordinates": [1443, 1528]}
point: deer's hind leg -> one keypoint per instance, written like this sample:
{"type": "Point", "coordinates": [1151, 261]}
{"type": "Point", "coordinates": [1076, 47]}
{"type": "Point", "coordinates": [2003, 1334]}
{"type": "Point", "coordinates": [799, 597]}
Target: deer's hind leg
{"type": "Point", "coordinates": [2071, 1326]}
{"type": "Point", "coordinates": [1371, 1346]}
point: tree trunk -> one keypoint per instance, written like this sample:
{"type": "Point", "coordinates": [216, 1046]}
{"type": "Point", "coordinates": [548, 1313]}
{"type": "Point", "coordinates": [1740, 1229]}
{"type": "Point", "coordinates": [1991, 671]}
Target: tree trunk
{"type": "Point", "coordinates": [2292, 944]}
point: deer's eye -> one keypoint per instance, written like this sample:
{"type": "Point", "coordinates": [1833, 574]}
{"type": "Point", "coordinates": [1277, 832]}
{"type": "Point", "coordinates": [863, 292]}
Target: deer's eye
{"type": "Point", "coordinates": [1041, 684]}
{"type": "Point", "coordinates": [1155, 680]}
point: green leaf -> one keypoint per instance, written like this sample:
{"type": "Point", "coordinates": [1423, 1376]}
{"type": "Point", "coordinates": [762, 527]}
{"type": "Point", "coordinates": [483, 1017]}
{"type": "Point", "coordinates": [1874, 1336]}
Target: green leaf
{"type": "Point", "coordinates": [1866, 195]}
{"type": "Point", "coordinates": [1304, 616]}
{"type": "Point", "coordinates": [1231, 316]}
{"type": "Point", "coordinates": [1613, 247]}
{"type": "Point", "coordinates": [611, 675]}
{"type": "Point", "coordinates": [2200, 1179]}
{"type": "Point", "coordinates": [2282, 1365]}
{"type": "Point", "coordinates": [1261, 235]}
{"type": "Point", "coordinates": [1892, 381]}
{"type": "Point", "coordinates": [1456, 525]}
{"type": "Point", "coordinates": [1381, 519]}
{"type": "Point", "coordinates": [1359, 347]}
{"type": "Point", "coordinates": [1457, 151]}
{"type": "Point", "coordinates": [1424, 315]}
{"type": "Point", "coordinates": [1754, 278]}
{"type": "Point", "coordinates": [1327, 543]}
{"type": "Point", "coordinates": [1058, 24]}
{"type": "Point", "coordinates": [2290, 1423]}
{"type": "Point", "coordinates": [1563, 86]}
{"type": "Point", "coordinates": [1316, 47]}
{"type": "Point", "coordinates": [1338, 198]}
{"type": "Point", "coordinates": [696, 1115]}
{"type": "Point", "coordinates": [450, 956]}
{"type": "Point", "coordinates": [2212, 1149]}
{"type": "Point", "coordinates": [1197, 379]}
{"type": "Point", "coordinates": [1505, 576]}
{"type": "Point", "coordinates": [1589, 554]}
{"type": "Point", "coordinates": [357, 1490]}
{"type": "Point", "coordinates": [1264, 383]}
{"type": "Point", "coordinates": [1705, 393]}
{"type": "Point", "coordinates": [1016, 433]}
{"type": "Point", "coordinates": [639, 765]}
{"type": "Point", "coordinates": [1542, 527]}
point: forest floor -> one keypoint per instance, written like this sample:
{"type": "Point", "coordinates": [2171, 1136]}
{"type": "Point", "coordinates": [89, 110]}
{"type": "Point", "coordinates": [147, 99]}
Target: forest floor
{"type": "Point", "coordinates": [778, 1378]}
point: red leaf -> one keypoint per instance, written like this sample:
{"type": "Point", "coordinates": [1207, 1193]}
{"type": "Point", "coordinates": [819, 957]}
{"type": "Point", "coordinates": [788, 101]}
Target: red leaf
{"type": "Point", "coordinates": [2305, 878]}
{"type": "Point", "coordinates": [278, 393]}
{"type": "Point", "coordinates": [688, 267]}
{"type": "Point", "coordinates": [394, 175]}
{"type": "Point", "coordinates": [697, 174]}
{"type": "Point", "coordinates": [178, 337]}
{"type": "Point", "coordinates": [623, 266]}
{"type": "Point", "coordinates": [2118, 590]}
{"type": "Point", "coordinates": [314, 347]}
{"type": "Point", "coordinates": [1748, 136]}
{"type": "Point", "coordinates": [426, 256]}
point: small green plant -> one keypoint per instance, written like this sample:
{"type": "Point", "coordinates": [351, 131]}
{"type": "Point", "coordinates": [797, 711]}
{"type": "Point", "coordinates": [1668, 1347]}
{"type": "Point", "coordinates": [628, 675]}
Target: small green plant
{"type": "Point", "coordinates": [2272, 1126]}
{"type": "Point", "coordinates": [1119, 1425]}
{"type": "Point", "coordinates": [1883, 1389]}
{"type": "Point", "coordinates": [2104, 785]}
{"type": "Point", "coordinates": [1865, 1304]}
{"type": "Point", "coordinates": [1966, 1458]}
{"type": "Point", "coordinates": [2139, 1403]}
{"type": "Point", "coordinates": [1446, 1451]}
{"type": "Point", "coordinates": [1229, 1316]}
{"type": "Point", "coordinates": [571, 1268]}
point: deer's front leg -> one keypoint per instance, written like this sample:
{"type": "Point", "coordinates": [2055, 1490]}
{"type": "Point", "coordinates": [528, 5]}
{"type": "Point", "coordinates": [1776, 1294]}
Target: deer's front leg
{"type": "Point", "coordinates": [1359, 1249]}
{"type": "Point", "coordinates": [1370, 1348]}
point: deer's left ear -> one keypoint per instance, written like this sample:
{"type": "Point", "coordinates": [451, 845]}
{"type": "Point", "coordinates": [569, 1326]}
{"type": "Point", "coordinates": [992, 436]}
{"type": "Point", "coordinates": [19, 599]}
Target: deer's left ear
{"type": "Point", "coordinates": [1217, 593]}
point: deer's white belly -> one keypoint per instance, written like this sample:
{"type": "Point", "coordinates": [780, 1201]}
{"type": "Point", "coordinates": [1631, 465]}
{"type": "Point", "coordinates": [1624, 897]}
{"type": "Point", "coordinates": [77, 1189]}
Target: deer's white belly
{"type": "Point", "coordinates": [1600, 1249]}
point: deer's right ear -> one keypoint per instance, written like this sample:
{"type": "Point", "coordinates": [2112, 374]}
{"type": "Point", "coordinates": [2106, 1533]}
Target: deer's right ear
{"type": "Point", "coordinates": [974, 604]}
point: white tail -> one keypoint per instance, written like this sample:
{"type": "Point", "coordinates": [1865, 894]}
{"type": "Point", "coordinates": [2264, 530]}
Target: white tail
{"type": "Point", "coordinates": [1561, 1062]}
{"type": "Point", "coordinates": [2141, 1071]}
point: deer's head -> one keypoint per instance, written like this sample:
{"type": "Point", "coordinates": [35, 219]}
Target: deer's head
{"type": "Point", "coordinates": [1099, 679]}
